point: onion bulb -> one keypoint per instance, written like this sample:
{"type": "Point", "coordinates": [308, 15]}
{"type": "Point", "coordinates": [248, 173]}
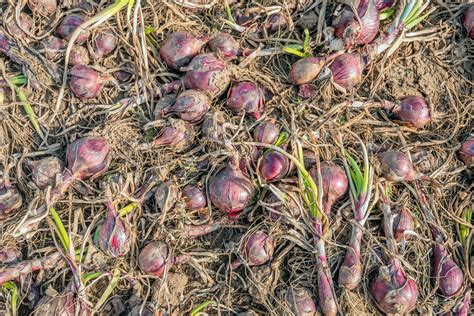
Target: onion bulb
{"type": "Point", "coordinates": [180, 47]}
{"type": "Point", "coordinates": [346, 70]}
{"type": "Point", "coordinates": [467, 153]}
{"type": "Point", "coordinates": [68, 25]}
{"type": "Point", "coordinates": [45, 171]}
{"type": "Point", "coordinates": [246, 97]}
{"type": "Point", "coordinates": [334, 182]}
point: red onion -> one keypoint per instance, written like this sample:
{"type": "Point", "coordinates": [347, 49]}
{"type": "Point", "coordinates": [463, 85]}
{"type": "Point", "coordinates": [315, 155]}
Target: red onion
{"type": "Point", "coordinates": [347, 27]}
{"type": "Point", "coordinates": [194, 197]}
{"type": "Point", "coordinates": [411, 111]}
{"type": "Point", "coordinates": [166, 196]}
{"type": "Point", "coordinates": [122, 75]}
{"type": "Point", "coordinates": [156, 258]}
{"type": "Point", "coordinates": [63, 304]}
{"type": "Point", "coordinates": [207, 73]}
{"type": "Point", "coordinates": [9, 256]}
{"type": "Point", "coordinates": [10, 198]}
{"type": "Point", "coordinates": [246, 97]}
{"type": "Point", "coordinates": [273, 166]}
{"type": "Point", "coordinates": [103, 44]}
{"type": "Point", "coordinates": [45, 171]}
{"type": "Point", "coordinates": [279, 211]}
{"type": "Point", "coordinates": [114, 233]}
{"type": "Point", "coordinates": [266, 132]}
{"type": "Point", "coordinates": [462, 307]}
{"type": "Point", "coordinates": [163, 103]}
{"type": "Point", "coordinates": [396, 166]}
{"type": "Point", "coordinates": [85, 82]}
{"type": "Point", "coordinates": [306, 70]}
{"type": "Point", "coordinates": [276, 22]}
{"type": "Point", "coordinates": [212, 126]}
{"type": "Point", "coordinates": [15, 30]}
{"type": "Point", "coordinates": [402, 222]}
{"type": "Point", "coordinates": [383, 4]}
{"type": "Point", "coordinates": [334, 182]}
{"type": "Point", "coordinates": [346, 70]}
{"type": "Point", "coordinates": [300, 302]}
{"type": "Point", "coordinates": [467, 153]}
{"type": "Point", "coordinates": [53, 45]}
{"type": "Point", "coordinates": [230, 190]}
{"type": "Point", "coordinates": [79, 56]}
{"type": "Point", "coordinates": [191, 106]}
{"type": "Point", "coordinates": [446, 272]}
{"type": "Point", "coordinates": [224, 45]}
{"type": "Point", "coordinates": [177, 134]}
{"type": "Point", "coordinates": [258, 249]}
{"type": "Point", "coordinates": [394, 291]}
{"type": "Point", "coordinates": [43, 7]}
{"type": "Point", "coordinates": [88, 157]}
{"type": "Point", "coordinates": [68, 25]}
{"type": "Point", "coordinates": [180, 47]}
{"type": "Point", "coordinates": [468, 21]}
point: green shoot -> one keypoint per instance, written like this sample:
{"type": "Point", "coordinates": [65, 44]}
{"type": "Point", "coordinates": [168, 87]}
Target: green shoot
{"type": "Point", "coordinates": [293, 51]}
{"type": "Point", "coordinates": [356, 174]}
{"type": "Point", "coordinates": [407, 10]}
{"type": "Point", "coordinates": [90, 276]}
{"type": "Point", "coordinates": [18, 80]}
{"type": "Point", "coordinates": [306, 42]}
{"type": "Point", "coordinates": [413, 12]}
{"type": "Point", "coordinates": [128, 209]}
{"type": "Point", "coordinates": [110, 288]}
{"type": "Point", "coordinates": [197, 311]}
{"type": "Point", "coordinates": [386, 14]}
{"type": "Point", "coordinates": [60, 229]}
{"type": "Point", "coordinates": [29, 111]}
{"type": "Point", "coordinates": [282, 138]}
{"type": "Point", "coordinates": [229, 12]}
{"type": "Point", "coordinates": [149, 30]}
{"type": "Point", "coordinates": [11, 289]}
{"type": "Point", "coordinates": [463, 229]}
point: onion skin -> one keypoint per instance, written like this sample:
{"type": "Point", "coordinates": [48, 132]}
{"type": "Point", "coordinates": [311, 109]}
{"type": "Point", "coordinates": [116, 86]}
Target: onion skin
{"type": "Point", "coordinates": [45, 171]}
{"type": "Point", "coordinates": [347, 27]}
{"type": "Point", "coordinates": [180, 47]}
{"type": "Point", "coordinates": [383, 4]}
{"type": "Point", "coordinates": [306, 70]}
{"type": "Point", "coordinates": [191, 106]}
{"type": "Point", "coordinates": [446, 272]}
{"type": "Point", "coordinates": [88, 157]}
{"type": "Point", "coordinates": [246, 97]}
{"type": "Point", "coordinates": [266, 132]}
{"type": "Point", "coordinates": [230, 190]}
{"type": "Point", "coordinates": [411, 111]}
{"type": "Point", "coordinates": [278, 211]}
{"type": "Point", "coordinates": [178, 135]}
{"type": "Point", "coordinates": [224, 45]}
{"type": "Point", "coordinates": [85, 82]}
{"type": "Point", "coordinates": [468, 21]}
{"type": "Point", "coordinates": [467, 153]}
{"type": "Point", "coordinates": [350, 272]}
{"type": "Point", "coordinates": [43, 7]}
{"type": "Point", "coordinates": [194, 197]}
{"type": "Point", "coordinates": [396, 166]}
{"type": "Point", "coordinates": [347, 70]}
{"type": "Point", "coordinates": [212, 126]}
{"type": "Point", "coordinates": [300, 302]}
{"type": "Point", "coordinates": [155, 258]}
{"type": "Point", "coordinates": [103, 44]}
{"type": "Point", "coordinates": [79, 56]}
{"type": "Point", "coordinates": [207, 73]}
{"type": "Point", "coordinates": [394, 291]}
{"type": "Point", "coordinates": [273, 166]}
{"type": "Point", "coordinates": [68, 25]}
{"type": "Point", "coordinates": [10, 198]}
{"type": "Point", "coordinates": [14, 29]}
{"type": "Point", "coordinates": [275, 22]}
{"type": "Point", "coordinates": [53, 45]}
{"type": "Point", "coordinates": [259, 248]}
{"type": "Point", "coordinates": [163, 103]}
{"type": "Point", "coordinates": [166, 196]}
{"type": "Point", "coordinates": [402, 222]}
{"type": "Point", "coordinates": [334, 181]}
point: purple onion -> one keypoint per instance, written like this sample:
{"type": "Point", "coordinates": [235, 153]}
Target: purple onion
{"type": "Point", "coordinates": [45, 171]}
{"type": "Point", "coordinates": [276, 208]}
{"type": "Point", "coordinates": [276, 22]}
{"type": "Point", "coordinates": [230, 190]}
{"type": "Point", "coordinates": [68, 25]}
{"type": "Point", "coordinates": [467, 153]}
{"type": "Point", "coordinates": [334, 181]}
{"type": "Point", "coordinates": [156, 258]}
{"type": "Point", "coordinates": [396, 166]}
{"type": "Point", "coordinates": [462, 307]}
{"type": "Point", "coordinates": [103, 44]}
{"type": "Point", "coordinates": [43, 7]}
{"type": "Point", "coordinates": [258, 249]}
{"type": "Point", "coordinates": [468, 21]}
{"type": "Point", "coordinates": [163, 104]}
{"type": "Point", "coordinates": [177, 134]}
{"type": "Point", "coordinates": [411, 111]}
{"type": "Point", "coordinates": [383, 4]}
{"type": "Point", "coordinates": [273, 166]}
{"type": "Point", "coordinates": [446, 272]}
{"type": "Point", "coordinates": [346, 70]}
{"type": "Point", "coordinates": [15, 30]}
{"type": "Point", "coordinates": [190, 105]}
{"type": "Point", "coordinates": [224, 45]}
{"type": "Point", "coordinates": [306, 70]}
{"type": "Point", "coordinates": [300, 302]}
{"type": "Point", "coordinates": [402, 222]}
{"type": "Point", "coordinates": [266, 132]}
{"type": "Point", "coordinates": [53, 45]}
{"type": "Point", "coordinates": [166, 196]}
{"type": "Point", "coordinates": [114, 233]}
{"type": "Point", "coordinates": [212, 126]}
{"type": "Point", "coordinates": [347, 27]}
{"type": "Point", "coordinates": [9, 256]}
{"type": "Point", "coordinates": [194, 197]}
{"type": "Point", "coordinates": [207, 73]}
{"type": "Point", "coordinates": [79, 56]}
{"type": "Point", "coordinates": [180, 47]}
{"type": "Point", "coordinates": [10, 198]}
{"type": "Point", "coordinates": [394, 291]}
{"type": "Point", "coordinates": [88, 157]}
{"type": "Point", "coordinates": [246, 97]}
{"type": "Point", "coordinates": [122, 75]}
{"type": "Point", "coordinates": [85, 82]}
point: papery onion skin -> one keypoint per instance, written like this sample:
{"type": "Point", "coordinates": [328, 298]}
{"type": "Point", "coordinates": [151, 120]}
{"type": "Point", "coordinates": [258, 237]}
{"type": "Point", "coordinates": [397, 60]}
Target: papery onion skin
{"type": "Point", "coordinates": [306, 70]}
{"type": "Point", "coordinates": [383, 4]}
{"type": "Point", "coordinates": [79, 56]}
{"type": "Point", "coordinates": [43, 7]}
{"type": "Point", "coordinates": [300, 302]}
{"type": "Point", "coordinates": [85, 82]}
{"type": "Point", "coordinates": [194, 197]}
{"type": "Point", "coordinates": [10, 198]}
{"type": "Point", "coordinates": [396, 166]}
{"type": "Point", "coordinates": [45, 171]}
{"type": "Point", "coordinates": [230, 190]}
{"type": "Point", "coordinates": [334, 182]}
{"type": "Point", "coordinates": [468, 21]}
{"type": "Point", "coordinates": [53, 45]}
{"type": "Point", "coordinates": [224, 45]}
{"type": "Point", "coordinates": [467, 153]}
{"type": "Point", "coordinates": [266, 132]}
{"type": "Point", "coordinates": [191, 105]}
{"type": "Point", "coordinates": [347, 70]}
{"type": "Point", "coordinates": [180, 47]}
{"type": "Point", "coordinates": [103, 44]}
{"type": "Point", "coordinates": [273, 166]}
{"type": "Point", "coordinates": [14, 29]}
{"type": "Point", "coordinates": [211, 126]}
{"type": "Point", "coordinates": [68, 25]}
{"type": "Point", "coordinates": [402, 222]}
{"type": "Point", "coordinates": [163, 104]}
{"type": "Point", "coordinates": [88, 157]}
{"type": "Point", "coordinates": [246, 97]}
{"type": "Point", "coordinates": [276, 22]}
{"type": "Point", "coordinates": [259, 248]}
{"type": "Point", "coordinates": [178, 135]}
{"type": "Point", "coordinates": [446, 272]}
{"type": "Point", "coordinates": [154, 258]}
{"type": "Point", "coordinates": [411, 111]}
